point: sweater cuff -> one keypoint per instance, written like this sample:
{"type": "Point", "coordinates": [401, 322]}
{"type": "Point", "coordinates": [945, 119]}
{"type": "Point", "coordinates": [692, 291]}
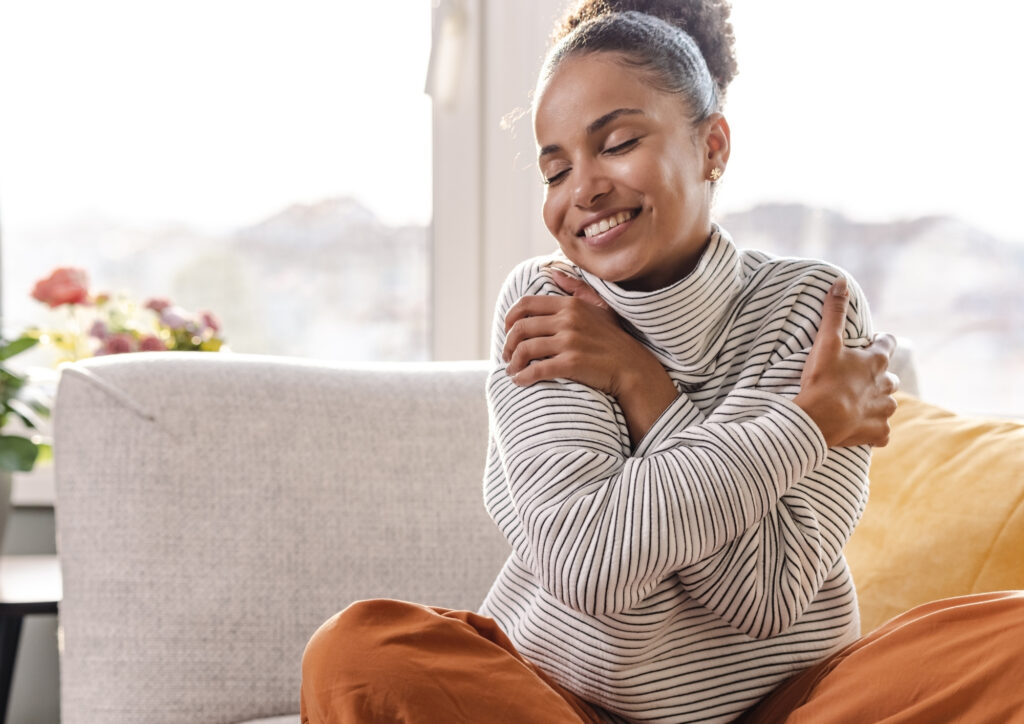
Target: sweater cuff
{"type": "Point", "coordinates": [682, 413]}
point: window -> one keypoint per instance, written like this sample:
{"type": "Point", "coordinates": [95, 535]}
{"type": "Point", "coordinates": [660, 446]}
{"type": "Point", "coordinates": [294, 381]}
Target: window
{"type": "Point", "coordinates": [884, 137]}
{"type": "Point", "coordinates": [881, 136]}
{"type": "Point", "coordinates": [267, 161]}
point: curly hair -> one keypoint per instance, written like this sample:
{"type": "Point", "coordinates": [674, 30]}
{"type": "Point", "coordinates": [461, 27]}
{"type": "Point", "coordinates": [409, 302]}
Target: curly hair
{"type": "Point", "coordinates": [686, 46]}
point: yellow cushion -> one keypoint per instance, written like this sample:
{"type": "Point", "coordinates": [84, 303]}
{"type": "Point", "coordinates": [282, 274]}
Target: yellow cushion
{"type": "Point", "coordinates": [946, 512]}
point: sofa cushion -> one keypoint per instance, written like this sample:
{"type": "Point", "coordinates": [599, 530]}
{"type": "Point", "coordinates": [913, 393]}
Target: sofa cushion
{"type": "Point", "coordinates": [214, 510]}
{"type": "Point", "coordinates": [945, 515]}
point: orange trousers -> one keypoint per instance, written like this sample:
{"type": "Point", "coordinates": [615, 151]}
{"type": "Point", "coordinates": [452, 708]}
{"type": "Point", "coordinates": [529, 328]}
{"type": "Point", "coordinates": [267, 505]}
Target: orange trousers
{"type": "Point", "coordinates": [383, 662]}
{"type": "Point", "coordinates": [955, 660]}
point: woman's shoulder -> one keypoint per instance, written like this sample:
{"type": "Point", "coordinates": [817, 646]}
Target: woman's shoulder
{"type": "Point", "coordinates": [804, 282]}
{"type": "Point", "coordinates": [533, 276]}
{"type": "Point", "coordinates": [786, 274]}
{"type": "Point", "coordinates": [764, 265]}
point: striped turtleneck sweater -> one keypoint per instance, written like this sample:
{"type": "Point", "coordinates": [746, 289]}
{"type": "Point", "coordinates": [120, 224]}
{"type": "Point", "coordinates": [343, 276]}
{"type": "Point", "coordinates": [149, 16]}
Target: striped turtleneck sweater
{"type": "Point", "coordinates": [685, 578]}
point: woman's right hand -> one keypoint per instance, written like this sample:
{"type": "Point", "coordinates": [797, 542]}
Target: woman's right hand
{"type": "Point", "coordinates": [848, 391]}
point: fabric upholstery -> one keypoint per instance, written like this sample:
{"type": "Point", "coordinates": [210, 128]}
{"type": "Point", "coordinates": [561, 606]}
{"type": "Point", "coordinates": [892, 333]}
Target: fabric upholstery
{"type": "Point", "coordinates": [945, 515]}
{"type": "Point", "coordinates": [214, 510]}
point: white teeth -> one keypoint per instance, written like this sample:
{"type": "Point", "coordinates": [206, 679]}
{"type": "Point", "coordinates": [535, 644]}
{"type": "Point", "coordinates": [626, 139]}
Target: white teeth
{"type": "Point", "coordinates": [603, 225]}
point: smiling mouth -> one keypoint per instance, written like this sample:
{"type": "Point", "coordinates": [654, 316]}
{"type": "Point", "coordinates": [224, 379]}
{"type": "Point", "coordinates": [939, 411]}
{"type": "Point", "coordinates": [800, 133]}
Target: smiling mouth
{"type": "Point", "coordinates": [610, 222]}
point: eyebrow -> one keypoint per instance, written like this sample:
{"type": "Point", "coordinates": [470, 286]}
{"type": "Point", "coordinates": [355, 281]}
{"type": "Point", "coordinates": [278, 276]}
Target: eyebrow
{"type": "Point", "coordinates": [595, 126]}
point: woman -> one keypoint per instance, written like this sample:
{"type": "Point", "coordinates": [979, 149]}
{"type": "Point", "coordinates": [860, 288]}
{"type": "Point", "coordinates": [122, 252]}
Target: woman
{"type": "Point", "coordinates": [675, 466]}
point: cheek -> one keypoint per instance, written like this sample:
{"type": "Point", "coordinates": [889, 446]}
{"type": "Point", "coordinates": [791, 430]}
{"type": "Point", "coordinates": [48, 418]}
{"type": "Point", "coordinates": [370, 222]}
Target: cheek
{"type": "Point", "coordinates": [551, 212]}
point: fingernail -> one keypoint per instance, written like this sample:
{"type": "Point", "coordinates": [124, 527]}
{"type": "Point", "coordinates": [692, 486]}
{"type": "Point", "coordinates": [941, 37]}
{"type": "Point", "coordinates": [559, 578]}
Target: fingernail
{"type": "Point", "coordinates": [838, 289]}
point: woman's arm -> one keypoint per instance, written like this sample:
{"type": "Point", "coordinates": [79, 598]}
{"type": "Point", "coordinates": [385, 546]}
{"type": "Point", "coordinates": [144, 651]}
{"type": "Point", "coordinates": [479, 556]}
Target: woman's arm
{"type": "Point", "coordinates": [602, 527]}
{"type": "Point", "coordinates": [846, 391]}
{"type": "Point", "coordinates": [602, 530]}
{"type": "Point", "coordinates": [579, 337]}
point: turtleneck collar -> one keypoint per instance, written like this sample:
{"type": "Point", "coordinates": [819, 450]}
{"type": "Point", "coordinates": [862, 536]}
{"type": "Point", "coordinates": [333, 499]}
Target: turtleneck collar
{"type": "Point", "coordinates": [684, 323]}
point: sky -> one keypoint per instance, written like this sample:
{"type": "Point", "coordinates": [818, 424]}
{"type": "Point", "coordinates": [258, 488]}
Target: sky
{"type": "Point", "coordinates": [221, 112]}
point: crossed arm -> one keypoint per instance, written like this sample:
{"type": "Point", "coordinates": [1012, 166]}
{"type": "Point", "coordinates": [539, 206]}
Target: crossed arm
{"type": "Point", "coordinates": [743, 507]}
{"type": "Point", "coordinates": [846, 391]}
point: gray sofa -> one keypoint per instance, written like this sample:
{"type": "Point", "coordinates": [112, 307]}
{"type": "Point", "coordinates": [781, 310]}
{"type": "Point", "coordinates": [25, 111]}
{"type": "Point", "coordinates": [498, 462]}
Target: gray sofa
{"type": "Point", "coordinates": [213, 509]}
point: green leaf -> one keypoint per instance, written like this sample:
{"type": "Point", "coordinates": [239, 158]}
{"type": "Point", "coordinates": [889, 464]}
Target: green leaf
{"type": "Point", "coordinates": [17, 346]}
{"type": "Point", "coordinates": [17, 453]}
{"type": "Point", "coordinates": [45, 453]}
{"type": "Point", "coordinates": [25, 413]}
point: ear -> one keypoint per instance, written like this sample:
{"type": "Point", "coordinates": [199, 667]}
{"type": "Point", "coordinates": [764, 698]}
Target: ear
{"type": "Point", "coordinates": [717, 142]}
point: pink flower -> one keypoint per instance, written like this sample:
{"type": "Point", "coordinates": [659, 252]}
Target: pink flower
{"type": "Point", "coordinates": [157, 304]}
{"type": "Point", "coordinates": [210, 321]}
{"type": "Point", "coordinates": [152, 343]}
{"type": "Point", "coordinates": [99, 329]}
{"type": "Point", "coordinates": [66, 285]}
{"type": "Point", "coordinates": [175, 317]}
{"type": "Point", "coordinates": [118, 344]}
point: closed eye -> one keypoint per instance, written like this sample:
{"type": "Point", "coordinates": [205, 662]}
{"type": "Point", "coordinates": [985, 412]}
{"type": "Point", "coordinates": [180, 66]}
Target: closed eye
{"type": "Point", "coordinates": [624, 146]}
{"type": "Point", "coordinates": [549, 180]}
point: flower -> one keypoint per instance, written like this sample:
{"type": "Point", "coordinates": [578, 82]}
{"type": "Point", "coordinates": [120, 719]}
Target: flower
{"type": "Point", "coordinates": [174, 317]}
{"type": "Point", "coordinates": [117, 325]}
{"type": "Point", "coordinates": [66, 285]}
{"type": "Point", "coordinates": [210, 321]}
{"type": "Point", "coordinates": [152, 343]}
{"type": "Point", "coordinates": [99, 330]}
{"type": "Point", "coordinates": [157, 304]}
{"type": "Point", "coordinates": [117, 344]}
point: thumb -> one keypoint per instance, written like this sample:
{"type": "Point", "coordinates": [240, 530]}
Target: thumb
{"type": "Point", "coordinates": [578, 288]}
{"type": "Point", "coordinates": [833, 314]}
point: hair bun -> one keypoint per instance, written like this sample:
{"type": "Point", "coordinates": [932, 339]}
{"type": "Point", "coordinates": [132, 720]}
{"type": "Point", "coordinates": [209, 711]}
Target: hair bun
{"type": "Point", "coordinates": [706, 21]}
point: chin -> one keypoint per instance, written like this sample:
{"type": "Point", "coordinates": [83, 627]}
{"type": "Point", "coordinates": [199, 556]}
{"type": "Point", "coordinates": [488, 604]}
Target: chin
{"type": "Point", "coordinates": [609, 270]}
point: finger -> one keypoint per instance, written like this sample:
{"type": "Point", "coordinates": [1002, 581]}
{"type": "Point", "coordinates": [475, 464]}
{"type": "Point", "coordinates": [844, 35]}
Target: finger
{"type": "Point", "coordinates": [890, 383]}
{"type": "Point", "coordinates": [532, 306]}
{"type": "Point", "coordinates": [578, 288]}
{"type": "Point", "coordinates": [885, 342]}
{"type": "Point", "coordinates": [566, 283]}
{"type": "Point", "coordinates": [543, 369]}
{"type": "Point", "coordinates": [876, 435]}
{"type": "Point", "coordinates": [833, 316]}
{"type": "Point", "coordinates": [525, 329]}
{"type": "Point", "coordinates": [877, 359]}
{"type": "Point", "coordinates": [531, 352]}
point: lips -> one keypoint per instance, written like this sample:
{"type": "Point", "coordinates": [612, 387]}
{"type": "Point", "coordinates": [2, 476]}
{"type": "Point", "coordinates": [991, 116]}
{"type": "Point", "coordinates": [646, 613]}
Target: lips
{"type": "Point", "coordinates": [593, 228]}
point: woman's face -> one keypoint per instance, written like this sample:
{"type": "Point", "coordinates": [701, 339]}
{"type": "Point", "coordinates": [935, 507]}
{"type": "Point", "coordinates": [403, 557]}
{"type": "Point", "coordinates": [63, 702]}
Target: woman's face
{"type": "Point", "coordinates": [627, 191]}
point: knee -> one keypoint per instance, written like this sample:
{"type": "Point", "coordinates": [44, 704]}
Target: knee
{"type": "Point", "coordinates": [350, 638]}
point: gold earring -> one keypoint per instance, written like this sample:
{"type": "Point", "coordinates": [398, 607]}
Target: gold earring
{"type": "Point", "coordinates": [716, 173]}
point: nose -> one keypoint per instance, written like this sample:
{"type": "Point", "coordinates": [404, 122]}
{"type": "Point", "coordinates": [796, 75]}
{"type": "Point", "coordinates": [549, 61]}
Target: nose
{"type": "Point", "coordinates": [591, 184]}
